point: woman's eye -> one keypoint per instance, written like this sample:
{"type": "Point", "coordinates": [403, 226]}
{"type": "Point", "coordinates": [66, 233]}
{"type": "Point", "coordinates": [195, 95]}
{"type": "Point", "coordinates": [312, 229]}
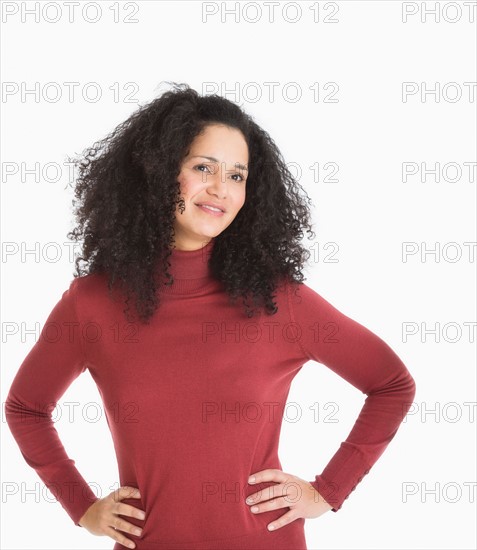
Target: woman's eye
{"type": "Point", "coordinates": [202, 166]}
{"type": "Point", "coordinates": [212, 170]}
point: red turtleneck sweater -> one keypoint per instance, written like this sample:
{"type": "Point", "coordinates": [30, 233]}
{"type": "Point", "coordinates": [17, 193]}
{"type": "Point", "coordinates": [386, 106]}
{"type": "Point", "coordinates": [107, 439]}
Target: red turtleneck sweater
{"type": "Point", "coordinates": [208, 387]}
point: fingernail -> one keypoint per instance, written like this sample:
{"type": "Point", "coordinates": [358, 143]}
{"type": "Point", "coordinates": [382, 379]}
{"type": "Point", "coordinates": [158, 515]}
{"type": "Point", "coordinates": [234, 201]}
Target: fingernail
{"type": "Point", "coordinates": [142, 515]}
{"type": "Point", "coordinates": [251, 479]}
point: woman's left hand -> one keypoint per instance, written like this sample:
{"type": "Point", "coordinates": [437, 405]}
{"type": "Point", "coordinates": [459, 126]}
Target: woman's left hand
{"type": "Point", "coordinates": [299, 495]}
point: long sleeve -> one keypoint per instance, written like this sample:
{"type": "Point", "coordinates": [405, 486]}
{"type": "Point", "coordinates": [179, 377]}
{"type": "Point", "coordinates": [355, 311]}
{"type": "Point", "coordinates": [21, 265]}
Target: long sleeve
{"type": "Point", "coordinates": [364, 360]}
{"type": "Point", "coordinates": [54, 361]}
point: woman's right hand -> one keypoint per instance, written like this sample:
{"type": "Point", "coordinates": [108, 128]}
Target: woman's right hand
{"type": "Point", "coordinates": [101, 518]}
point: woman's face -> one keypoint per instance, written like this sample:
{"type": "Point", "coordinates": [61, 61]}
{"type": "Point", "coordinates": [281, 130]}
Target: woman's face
{"type": "Point", "coordinates": [213, 172]}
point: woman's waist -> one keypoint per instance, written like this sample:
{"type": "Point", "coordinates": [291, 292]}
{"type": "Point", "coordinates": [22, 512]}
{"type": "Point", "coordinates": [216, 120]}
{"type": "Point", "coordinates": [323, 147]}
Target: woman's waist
{"type": "Point", "coordinates": [289, 537]}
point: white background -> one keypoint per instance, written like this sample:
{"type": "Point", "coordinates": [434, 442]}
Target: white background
{"type": "Point", "coordinates": [365, 126]}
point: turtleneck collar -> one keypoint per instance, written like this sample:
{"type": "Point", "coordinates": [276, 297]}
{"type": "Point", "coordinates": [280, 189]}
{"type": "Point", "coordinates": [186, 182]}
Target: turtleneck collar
{"type": "Point", "coordinates": [190, 269]}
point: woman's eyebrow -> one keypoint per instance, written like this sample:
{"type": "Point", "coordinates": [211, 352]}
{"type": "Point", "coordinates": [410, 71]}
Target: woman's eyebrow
{"type": "Point", "coordinates": [237, 164]}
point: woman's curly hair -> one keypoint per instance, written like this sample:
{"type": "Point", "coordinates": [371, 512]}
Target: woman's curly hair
{"type": "Point", "coordinates": [127, 192]}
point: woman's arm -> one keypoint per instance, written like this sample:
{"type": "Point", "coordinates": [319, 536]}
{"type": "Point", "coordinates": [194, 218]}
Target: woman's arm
{"type": "Point", "coordinates": [363, 359]}
{"type": "Point", "coordinates": [52, 364]}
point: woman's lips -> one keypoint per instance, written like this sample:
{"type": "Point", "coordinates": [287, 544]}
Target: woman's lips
{"type": "Point", "coordinates": [210, 211]}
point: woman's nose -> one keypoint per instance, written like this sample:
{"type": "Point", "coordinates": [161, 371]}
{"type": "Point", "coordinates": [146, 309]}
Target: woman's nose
{"type": "Point", "coordinates": [218, 182]}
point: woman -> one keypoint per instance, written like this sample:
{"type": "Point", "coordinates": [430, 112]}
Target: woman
{"type": "Point", "coordinates": [185, 207]}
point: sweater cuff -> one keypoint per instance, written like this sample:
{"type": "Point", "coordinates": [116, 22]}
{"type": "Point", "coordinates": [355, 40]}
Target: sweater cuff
{"type": "Point", "coordinates": [341, 476]}
{"type": "Point", "coordinates": [72, 491]}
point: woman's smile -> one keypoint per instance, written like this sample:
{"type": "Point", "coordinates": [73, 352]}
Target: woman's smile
{"type": "Point", "coordinates": [210, 210]}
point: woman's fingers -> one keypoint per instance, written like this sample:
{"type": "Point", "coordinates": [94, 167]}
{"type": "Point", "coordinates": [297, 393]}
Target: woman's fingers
{"type": "Point", "coordinates": [103, 516]}
{"type": "Point", "coordinates": [128, 510]}
{"type": "Point", "coordinates": [118, 524]}
{"type": "Point", "coordinates": [125, 492]}
{"type": "Point", "coordinates": [118, 537]}
{"type": "Point", "coordinates": [291, 491]}
{"type": "Point", "coordinates": [267, 505]}
{"type": "Point", "coordinates": [123, 525]}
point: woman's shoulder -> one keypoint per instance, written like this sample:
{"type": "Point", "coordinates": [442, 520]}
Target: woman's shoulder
{"type": "Point", "coordinates": [294, 289]}
{"type": "Point", "coordinates": [91, 291]}
{"type": "Point", "coordinates": [91, 282]}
